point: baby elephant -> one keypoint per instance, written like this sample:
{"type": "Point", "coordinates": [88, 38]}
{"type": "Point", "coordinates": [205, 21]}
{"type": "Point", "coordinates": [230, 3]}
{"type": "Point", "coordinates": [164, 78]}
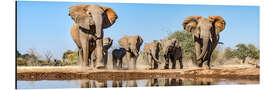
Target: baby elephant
{"type": "Point", "coordinates": [151, 51]}
{"type": "Point", "coordinates": [118, 55]}
{"type": "Point", "coordinates": [107, 43]}
{"type": "Point", "coordinates": [172, 52]}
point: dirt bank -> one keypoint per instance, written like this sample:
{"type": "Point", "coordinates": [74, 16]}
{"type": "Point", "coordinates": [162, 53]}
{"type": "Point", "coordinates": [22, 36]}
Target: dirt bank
{"type": "Point", "coordinates": [71, 73]}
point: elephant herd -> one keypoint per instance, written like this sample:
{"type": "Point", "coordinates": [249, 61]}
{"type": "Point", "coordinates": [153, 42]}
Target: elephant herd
{"type": "Point", "coordinates": [87, 33]}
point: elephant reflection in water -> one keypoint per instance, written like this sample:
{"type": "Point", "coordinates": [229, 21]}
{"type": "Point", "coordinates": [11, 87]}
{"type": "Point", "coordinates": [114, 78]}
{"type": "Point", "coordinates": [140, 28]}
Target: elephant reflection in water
{"type": "Point", "coordinates": [165, 82]}
{"type": "Point", "coordinates": [153, 82]}
{"type": "Point", "coordinates": [201, 82]}
{"type": "Point", "coordinates": [132, 83]}
{"type": "Point", "coordinates": [116, 83]}
{"type": "Point", "coordinates": [93, 84]}
{"type": "Point", "coordinates": [85, 84]}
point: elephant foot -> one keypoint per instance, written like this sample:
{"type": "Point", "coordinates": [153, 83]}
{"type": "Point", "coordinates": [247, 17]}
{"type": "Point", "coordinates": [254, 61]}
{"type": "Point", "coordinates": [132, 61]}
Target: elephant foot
{"type": "Point", "coordinates": [181, 67]}
{"type": "Point", "coordinates": [100, 66]}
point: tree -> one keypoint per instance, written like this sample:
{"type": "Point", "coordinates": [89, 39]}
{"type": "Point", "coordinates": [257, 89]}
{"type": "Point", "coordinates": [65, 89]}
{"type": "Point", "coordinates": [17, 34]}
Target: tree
{"type": "Point", "coordinates": [228, 54]}
{"type": "Point", "coordinates": [241, 52]}
{"type": "Point", "coordinates": [253, 52]}
{"type": "Point", "coordinates": [48, 55]}
{"type": "Point", "coordinates": [70, 57]}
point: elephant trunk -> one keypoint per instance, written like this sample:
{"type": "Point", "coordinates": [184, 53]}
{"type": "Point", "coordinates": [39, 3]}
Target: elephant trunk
{"type": "Point", "coordinates": [98, 19]}
{"type": "Point", "coordinates": [135, 52]}
{"type": "Point", "coordinates": [204, 48]}
{"type": "Point", "coordinates": [154, 54]}
{"type": "Point", "coordinates": [155, 59]}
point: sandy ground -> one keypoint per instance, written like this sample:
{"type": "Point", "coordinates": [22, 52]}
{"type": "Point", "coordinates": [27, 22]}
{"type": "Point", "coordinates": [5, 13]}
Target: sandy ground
{"type": "Point", "coordinates": [74, 72]}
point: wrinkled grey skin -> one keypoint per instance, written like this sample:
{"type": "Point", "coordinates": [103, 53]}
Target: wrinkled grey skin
{"type": "Point", "coordinates": [205, 34]}
{"type": "Point", "coordinates": [132, 46]}
{"type": "Point", "coordinates": [172, 52]}
{"type": "Point", "coordinates": [118, 55]}
{"type": "Point", "coordinates": [151, 51]}
{"type": "Point", "coordinates": [107, 43]}
{"type": "Point", "coordinates": [87, 32]}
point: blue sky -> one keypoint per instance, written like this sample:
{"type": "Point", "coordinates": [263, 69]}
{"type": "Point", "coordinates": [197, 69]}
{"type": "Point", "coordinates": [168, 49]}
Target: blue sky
{"type": "Point", "coordinates": [46, 25]}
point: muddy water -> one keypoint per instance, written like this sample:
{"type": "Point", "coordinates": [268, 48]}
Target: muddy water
{"type": "Point", "coordinates": [84, 83]}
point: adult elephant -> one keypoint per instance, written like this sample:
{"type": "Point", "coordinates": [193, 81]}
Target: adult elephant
{"type": "Point", "coordinates": [87, 32]}
{"type": "Point", "coordinates": [107, 43]}
{"type": "Point", "coordinates": [151, 51]}
{"type": "Point", "coordinates": [205, 34]}
{"type": "Point", "coordinates": [172, 52]}
{"type": "Point", "coordinates": [117, 55]}
{"type": "Point", "coordinates": [132, 46]}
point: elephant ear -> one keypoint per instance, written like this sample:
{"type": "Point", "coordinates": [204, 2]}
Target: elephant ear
{"type": "Point", "coordinates": [190, 23]}
{"type": "Point", "coordinates": [218, 22]}
{"type": "Point", "coordinates": [139, 41]}
{"type": "Point", "coordinates": [123, 42]}
{"type": "Point", "coordinates": [79, 15]}
{"type": "Point", "coordinates": [110, 17]}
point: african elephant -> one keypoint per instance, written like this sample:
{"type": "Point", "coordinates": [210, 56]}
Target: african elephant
{"type": "Point", "coordinates": [118, 55]}
{"type": "Point", "coordinates": [132, 46]}
{"type": "Point", "coordinates": [205, 34]}
{"type": "Point", "coordinates": [107, 43]}
{"type": "Point", "coordinates": [172, 51]}
{"type": "Point", "coordinates": [151, 51]}
{"type": "Point", "coordinates": [87, 32]}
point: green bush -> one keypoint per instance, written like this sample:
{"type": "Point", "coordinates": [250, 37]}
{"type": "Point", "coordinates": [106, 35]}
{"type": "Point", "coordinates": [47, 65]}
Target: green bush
{"type": "Point", "coordinates": [70, 58]}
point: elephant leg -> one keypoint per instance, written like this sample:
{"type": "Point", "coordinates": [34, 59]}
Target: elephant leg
{"type": "Point", "coordinates": [134, 62]}
{"type": "Point", "coordinates": [120, 63]}
{"type": "Point", "coordinates": [114, 62]}
{"type": "Point", "coordinates": [81, 56]}
{"type": "Point", "coordinates": [99, 54]}
{"type": "Point", "coordinates": [155, 65]}
{"type": "Point", "coordinates": [85, 48]}
{"type": "Point", "coordinates": [91, 59]}
{"type": "Point", "coordinates": [149, 58]}
{"type": "Point", "coordinates": [166, 63]}
{"type": "Point", "coordinates": [130, 61]}
{"type": "Point", "coordinates": [197, 45]}
{"type": "Point", "coordinates": [209, 64]}
{"type": "Point", "coordinates": [173, 61]}
{"type": "Point", "coordinates": [201, 64]}
{"type": "Point", "coordinates": [105, 60]}
{"type": "Point", "coordinates": [181, 63]}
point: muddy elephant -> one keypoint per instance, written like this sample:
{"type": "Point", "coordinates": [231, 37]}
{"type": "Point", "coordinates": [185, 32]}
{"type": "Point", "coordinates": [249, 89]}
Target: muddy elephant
{"type": "Point", "coordinates": [87, 32]}
{"type": "Point", "coordinates": [151, 51]}
{"type": "Point", "coordinates": [132, 46]}
{"type": "Point", "coordinates": [172, 51]}
{"type": "Point", "coordinates": [205, 34]}
{"type": "Point", "coordinates": [118, 55]}
{"type": "Point", "coordinates": [107, 43]}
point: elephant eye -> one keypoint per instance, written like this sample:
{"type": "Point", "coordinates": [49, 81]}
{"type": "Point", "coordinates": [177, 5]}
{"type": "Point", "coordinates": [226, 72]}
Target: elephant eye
{"type": "Point", "coordinates": [89, 14]}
